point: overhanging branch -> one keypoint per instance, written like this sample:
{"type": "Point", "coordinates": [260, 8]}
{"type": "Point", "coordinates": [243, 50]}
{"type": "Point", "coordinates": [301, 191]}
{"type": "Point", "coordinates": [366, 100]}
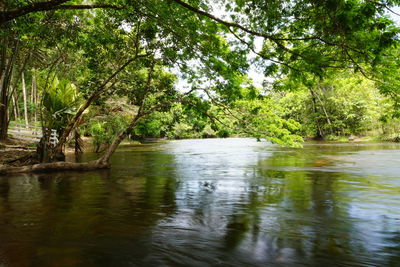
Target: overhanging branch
{"type": "Point", "coordinates": [14, 13]}
{"type": "Point", "coordinates": [238, 26]}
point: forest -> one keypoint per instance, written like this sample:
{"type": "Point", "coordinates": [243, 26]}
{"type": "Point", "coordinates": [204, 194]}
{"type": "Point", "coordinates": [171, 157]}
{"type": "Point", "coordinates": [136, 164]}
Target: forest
{"type": "Point", "coordinates": [117, 70]}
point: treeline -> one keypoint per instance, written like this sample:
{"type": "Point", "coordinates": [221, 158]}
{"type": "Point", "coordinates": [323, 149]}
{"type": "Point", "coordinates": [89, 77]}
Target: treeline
{"type": "Point", "coordinates": [342, 107]}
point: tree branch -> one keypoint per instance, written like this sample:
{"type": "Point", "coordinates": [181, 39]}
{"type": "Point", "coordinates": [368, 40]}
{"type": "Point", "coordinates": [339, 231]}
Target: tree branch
{"type": "Point", "coordinates": [46, 6]}
{"type": "Point", "coordinates": [260, 54]}
{"type": "Point", "coordinates": [384, 6]}
{"type": "Point", "coordinates": [236, 25]}
{"type": "Point", "coordinates": [100, 89]}
{"type": "Point", "coordinates": [73, 7]}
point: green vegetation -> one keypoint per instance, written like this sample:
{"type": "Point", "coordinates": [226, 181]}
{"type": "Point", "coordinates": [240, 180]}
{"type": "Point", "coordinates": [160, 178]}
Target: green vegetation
{"type": "Point", "coordinates": [342, 105]}
{"type": "Point", "coordinates": [115, 69]}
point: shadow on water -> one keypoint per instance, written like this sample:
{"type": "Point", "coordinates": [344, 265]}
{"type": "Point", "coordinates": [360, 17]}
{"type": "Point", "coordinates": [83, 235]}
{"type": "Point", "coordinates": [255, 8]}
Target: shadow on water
{"type": "Point", "coordinates": [80, 219]}
{"type": "Point", "coordinates": [232, 202]}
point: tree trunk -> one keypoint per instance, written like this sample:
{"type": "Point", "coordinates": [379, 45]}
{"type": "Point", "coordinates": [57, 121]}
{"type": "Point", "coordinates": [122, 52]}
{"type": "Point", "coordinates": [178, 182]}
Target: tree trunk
{"type": "Point", "coordinates": [114, 145]}
{"type": "Point", "coordinates": [15, 103]}
{"type": "Point", "coordinates": [320, 133]}
{"type": "Point", "coordinates": [15, 95]}
{"type": "Point", "coordinates": [32, 88]}
{"type": "Point", "coordinates": [102, 88]}
{"type": "Point", "coordinates": [3, 92]}
{"type": "Point", "coordinates": [104, 160]}
{"type": "Point", "coordinates": [4, 61]}
{"type": "Point", "coordinates": [34, 93]}
{"type": "Point", "coordinates": [3, 107]}
{"type": "Point", "coordinates": [5, 78]}
{"type": "Point", "coordinates": [25, 99]}
{"type": "Point", "coordinates": [325, 112]}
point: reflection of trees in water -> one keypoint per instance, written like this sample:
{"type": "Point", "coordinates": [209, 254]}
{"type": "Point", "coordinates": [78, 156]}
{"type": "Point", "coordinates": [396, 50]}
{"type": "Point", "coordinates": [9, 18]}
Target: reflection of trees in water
{"type": "Point", "coordinates": [332, 237]}
{"type": "Point", "coordinates": [150, 204]}
{"type": "Point", "coordinates": [339, 232]}
{"type": "Point", "coordinates": [308, 219]}
{"type": "Point", "coordinates": [390, 253]}
{"type": "Point", "coordinates": [77, 218]}
{"type": "Point", "coordinates": [19, 199]}
{"type": "Point", "coordinates": [253, 227]}
{"type": "Point", "coordinates": [4, 220]}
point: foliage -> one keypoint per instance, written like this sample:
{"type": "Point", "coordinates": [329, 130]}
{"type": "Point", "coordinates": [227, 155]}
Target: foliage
{"type": "Point", "coordinates": [259, 118]}
{"type": "Point", "coordinates": [60, 99]}
{"type": "Point", "coordinates": [106, 120]}
{"type": "Point", "coordinates": [343, 104]}
{"type": "Point", "coordinates": [103, 130]}
{"type": "Point", "coordinates": [154, 126]}
{"type": "Point", "coordinates": [387, 73]}
{"type": "Point", "coordinates": [178, 122]}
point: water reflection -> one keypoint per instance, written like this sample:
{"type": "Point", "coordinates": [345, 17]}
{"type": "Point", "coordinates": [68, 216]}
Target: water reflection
{"type": "Point", "coordinates": [227, 202]}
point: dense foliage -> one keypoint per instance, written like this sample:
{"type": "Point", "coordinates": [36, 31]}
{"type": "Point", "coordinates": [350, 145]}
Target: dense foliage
{"type": "Point", "coordinates": [178, 69]}
{"type": "Point", "coordinates": [341, 105]}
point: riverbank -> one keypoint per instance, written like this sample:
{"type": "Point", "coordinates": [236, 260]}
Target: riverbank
{"type": "Point", "coordinates": [343, 139]}
{"type": "Point", "coordinates": [17, 153]}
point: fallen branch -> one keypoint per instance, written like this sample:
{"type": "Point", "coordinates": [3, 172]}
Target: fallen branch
{"type": "Point", "coordinates": [54, 167]}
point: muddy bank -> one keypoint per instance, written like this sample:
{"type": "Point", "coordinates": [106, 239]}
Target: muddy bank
{"type": "Point", "coordinates": [17, 153]}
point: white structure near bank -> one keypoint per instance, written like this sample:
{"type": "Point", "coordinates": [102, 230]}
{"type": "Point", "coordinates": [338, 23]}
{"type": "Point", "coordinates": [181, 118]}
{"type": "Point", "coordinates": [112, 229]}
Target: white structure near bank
{"type": "Point", "coordinates": [30, 133]}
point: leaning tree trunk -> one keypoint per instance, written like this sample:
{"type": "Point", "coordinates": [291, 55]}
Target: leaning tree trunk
{"type": "Point", "coordinates": [105, 159]}
{"type": "Point", "coordinates": [101, 89]}
{"type": "Point", "coordinates": [114, 145]}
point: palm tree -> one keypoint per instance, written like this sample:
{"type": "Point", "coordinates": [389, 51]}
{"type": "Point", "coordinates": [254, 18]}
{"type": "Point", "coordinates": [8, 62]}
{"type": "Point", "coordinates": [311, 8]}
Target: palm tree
{"type": "Point", "coordinates": [59, 102]}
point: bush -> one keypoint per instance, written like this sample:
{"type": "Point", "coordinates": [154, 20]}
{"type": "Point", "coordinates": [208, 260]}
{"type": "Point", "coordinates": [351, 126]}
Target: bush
{"type": "Point", "coordinates": [104, 130]}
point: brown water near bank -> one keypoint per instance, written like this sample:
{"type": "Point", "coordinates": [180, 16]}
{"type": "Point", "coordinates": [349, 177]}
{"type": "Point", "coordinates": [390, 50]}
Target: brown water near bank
{"type": "Point", "coordinates": [214, 202]}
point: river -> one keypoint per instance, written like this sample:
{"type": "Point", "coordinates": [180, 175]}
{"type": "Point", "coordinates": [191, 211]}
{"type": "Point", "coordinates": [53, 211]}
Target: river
{"type": "Point", "coordinates": [212, 202]}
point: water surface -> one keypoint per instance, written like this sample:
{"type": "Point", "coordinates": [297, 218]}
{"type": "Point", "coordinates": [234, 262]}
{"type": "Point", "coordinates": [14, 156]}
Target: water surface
{"type": "Point", "coordinates": [215, 202]}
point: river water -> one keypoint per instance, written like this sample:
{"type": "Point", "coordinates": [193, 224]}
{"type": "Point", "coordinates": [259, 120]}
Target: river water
{"type": "Point", "coordinates": [213, 202]}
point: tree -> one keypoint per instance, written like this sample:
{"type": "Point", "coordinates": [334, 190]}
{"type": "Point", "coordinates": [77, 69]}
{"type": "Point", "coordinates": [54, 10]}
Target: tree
{"type": "Point", "coordinates": [342, 104]}
{"type": "Point", "coordinates": [387, 70]}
